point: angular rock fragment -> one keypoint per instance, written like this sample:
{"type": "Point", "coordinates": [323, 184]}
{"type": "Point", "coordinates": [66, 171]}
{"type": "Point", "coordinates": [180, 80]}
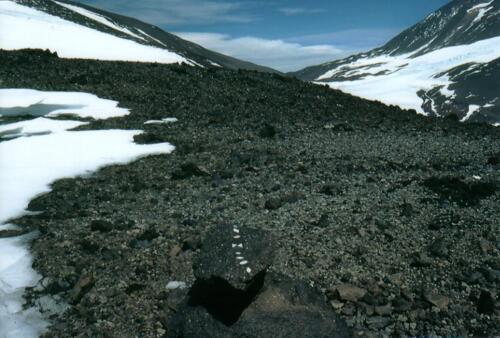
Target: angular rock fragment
{"type": "Point", "coordinates": [494, 159]}
{"type": "Point", "coordinates": [235, 254]}
{"type": "Point", "coordinates": [84, 284]}
{"type": "Point", "coordinates": [460, 191]}
{"type": "Point", "coordinates": [486, 303]}
{"type": "Point", "coordinates": [267, 131]}
{"type": "Point", "coordinates": [188, 170]}
{"type": "Point", "coordinates": [439, 301]}
{"type": "Point", "coordinates": [350, 292]}
{"type": "Point", "coordinates": [234, 295]}
{"type": "Point", "coordinates": [101, 225]}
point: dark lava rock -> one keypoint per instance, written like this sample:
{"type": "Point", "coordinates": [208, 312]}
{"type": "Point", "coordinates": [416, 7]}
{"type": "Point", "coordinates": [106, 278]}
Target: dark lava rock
{"type": "Point", "coordinates": [188, 170]}
{"type": "Point", "coordinates": [406, 210]}
{"type": "Point", "coordinates": [439, 301]}
{"type": "Point", "coordinates": [486, 303]}
{"type": "Point", "coordinates": [148, 235]}
{"type": "Point", "coordinates": [350, 292]}
{"type": "Point", "coordinates": [457, 190]}
{"type": "Point", "coordinates": [176, 298]}
{"type": "Point", "coordinates": [323, 221]}
{"type": "Point", "coordinates": [149, 138]}
{"type": "Point", "coordinates": [494, 263]}
{"type": "Point", "coordinates": [101, 225]}
{"type": "Point", "coordinates": [439, 248]}
{"type": "Point", "coordinates": [494, 159]}
{"type": "Point", "coordinates": [421, 260]}
{"type": "Point", "coordinates": [444, 220]}
{"type": "Point", "coordinates": [273, 204]}
{"type": "Point", "coordinates": [401, 305]}
{"type": "Point", "coordinates": [234, 254]}
{"type": "Point", "coordinates": [139, 244]}
{"type": "Point", "coordinates": [474, 278]}
{"type": "Point", "coordinates": [268, 131]}
{"type": "Point", "coordinates": [339, 126]}
{"type": "Point", "coordinates": [174, 251]}
{"type": "Point", "coordinates": [289, 308]}
{"type": "Point", "coordinates": [12, 233]}
{"type": "Point", "coordinates": [84, 284]}
{"type": "Point", "coordinates": [283, 308]}
{"type": "Point", "coordinates": [330, 189]}
{"type": "Point", "coordinates": [56, 287]}
{"type": "Point", "coordinates": [378, 323]}
{"type": "Point", "coordinates": [234, 295]}
{"type": "Point", "coordinates": [291, 197]}
{"type": "Point", "coordinates": [384, 310]}
{"type": "Point", "coordinates": [192, 243]}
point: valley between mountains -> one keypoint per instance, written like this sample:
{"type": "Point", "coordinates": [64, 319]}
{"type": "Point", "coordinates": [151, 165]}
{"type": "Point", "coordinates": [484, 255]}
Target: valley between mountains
{"type": "Point", "coordinates": [383, 220]}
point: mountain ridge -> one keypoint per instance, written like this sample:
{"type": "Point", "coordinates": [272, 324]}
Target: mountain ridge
{"type": "Point", "coordinates": [434, 47]}
{"type": "Point", "coordinates": [137, 31]}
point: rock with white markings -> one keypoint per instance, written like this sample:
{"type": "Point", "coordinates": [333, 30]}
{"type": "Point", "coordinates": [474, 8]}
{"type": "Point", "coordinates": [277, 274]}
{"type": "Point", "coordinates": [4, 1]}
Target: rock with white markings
{"type": "Point", "coordinates": [234, 254]}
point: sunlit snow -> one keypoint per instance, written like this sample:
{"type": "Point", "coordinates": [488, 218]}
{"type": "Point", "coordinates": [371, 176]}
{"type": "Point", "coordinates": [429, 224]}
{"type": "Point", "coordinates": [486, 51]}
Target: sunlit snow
{"type": "Point", "coordinates": [472, 109]}
{"type": "Point", "coordinates": [152, 38]}
{"type": "Point", "coordinates": [80, 104]}
{"type": "Point", "coordinates": [406, 75]}
{"type": "Point", "coordinates": [162, 121]}
{"type": "Point", "coordinates": [24, 27]}
{"type": "Point", "coordinates": [98, 18]}
{"type": "Point", "coordinates": [34, 154]}
{"type": "Point", "coordinates": [482, 5]}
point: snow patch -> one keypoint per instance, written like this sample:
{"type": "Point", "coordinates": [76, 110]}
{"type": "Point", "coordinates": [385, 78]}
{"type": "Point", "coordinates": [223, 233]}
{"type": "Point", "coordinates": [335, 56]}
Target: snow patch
{"type": "Point", "coordinates": [15, 275]}
{"type": "Point", "coordinates": [24, 27]}
{"type": "Point", "coordinates": [36, 127]}
{"type": "Point", "coordinates": [152, 38]}
{"type": "Point", "coordinates": [472, 109]}
{"type": "Point", "coordinates": [485, 4]}
{"type": "Point", "coordinates": [81, 104]}
{"type": "Point", "coordinates": [214, 63]}
{"type": "Point", "coordinates": [27, 168]}
{"type": "Point", "coordinates": [447, 92]}
{"type": "Point", "coordinates": [406, 76]}
{"type": "Point", "coordinates": [162, 121]}
{"type": "Point", "coordinates": [99, 18]}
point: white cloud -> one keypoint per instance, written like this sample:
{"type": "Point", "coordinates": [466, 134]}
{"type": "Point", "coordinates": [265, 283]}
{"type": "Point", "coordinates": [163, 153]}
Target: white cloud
{"type": "Point", "coordinates": [355, 39]}
{"type": "Point", "coordinates": [278, 54]}
{"type": "Point", "coordinates": [299, 11]}
{"type": "Point", "coordinates": [172, 12]}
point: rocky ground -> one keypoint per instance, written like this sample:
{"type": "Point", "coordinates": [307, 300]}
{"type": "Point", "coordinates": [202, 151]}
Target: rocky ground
{"type": "Point", "coordinates": [392, 216]}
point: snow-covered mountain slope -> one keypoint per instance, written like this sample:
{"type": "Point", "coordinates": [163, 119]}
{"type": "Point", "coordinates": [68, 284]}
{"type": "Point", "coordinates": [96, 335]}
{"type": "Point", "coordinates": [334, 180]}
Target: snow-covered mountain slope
{"type": "Point", "coordinates": [75, 30]}
{"type": "Point", "coordinates": [446, 64]}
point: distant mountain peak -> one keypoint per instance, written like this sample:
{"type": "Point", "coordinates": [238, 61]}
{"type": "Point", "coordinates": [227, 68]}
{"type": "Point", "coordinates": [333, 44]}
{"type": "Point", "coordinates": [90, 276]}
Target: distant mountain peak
{"type": "Point", "coordinates": [448, 63]}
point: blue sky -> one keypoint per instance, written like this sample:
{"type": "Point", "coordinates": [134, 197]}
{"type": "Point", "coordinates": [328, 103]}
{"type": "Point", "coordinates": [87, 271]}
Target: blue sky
{"type": "Point", "coordinates": [283, 34]}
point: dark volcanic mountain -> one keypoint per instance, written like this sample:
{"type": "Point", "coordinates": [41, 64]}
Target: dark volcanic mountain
{"type": "Point", "coordinates": [48, 24]}
{"type": "Point", "coordinates": [446, 64]}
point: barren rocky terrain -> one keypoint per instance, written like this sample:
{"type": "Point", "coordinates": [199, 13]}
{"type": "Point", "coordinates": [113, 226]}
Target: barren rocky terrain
{"type": "Point", "coordinates": [387, 220]}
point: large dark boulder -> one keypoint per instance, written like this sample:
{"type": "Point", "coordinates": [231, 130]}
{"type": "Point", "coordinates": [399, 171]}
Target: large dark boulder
{"type": "Point", "coordinates": [235, 295]}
